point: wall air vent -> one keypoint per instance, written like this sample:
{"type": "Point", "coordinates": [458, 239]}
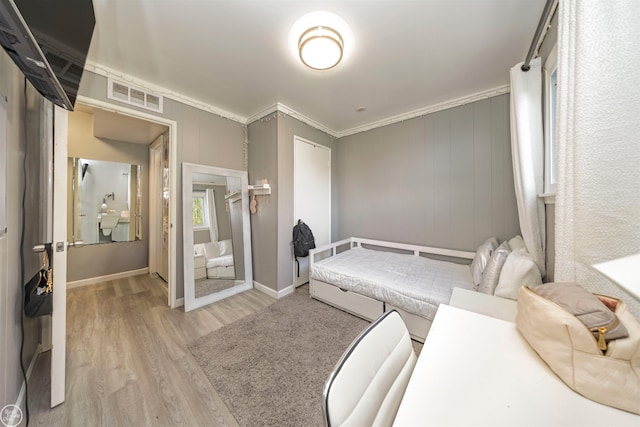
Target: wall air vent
{"type": "Point", "coordinates": [129, 94]}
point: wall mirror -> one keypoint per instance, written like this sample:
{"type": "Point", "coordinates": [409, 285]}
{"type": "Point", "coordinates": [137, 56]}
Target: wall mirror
{"type": "Point", "coordinates": [217, 234]}
{"type": "Point", "coordinates": [105, 201]}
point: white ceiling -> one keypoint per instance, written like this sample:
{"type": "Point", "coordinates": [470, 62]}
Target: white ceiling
{"type": "Point", "coordinates": [234, 55]}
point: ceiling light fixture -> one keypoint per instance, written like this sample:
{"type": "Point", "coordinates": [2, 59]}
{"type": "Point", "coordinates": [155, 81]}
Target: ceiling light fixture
{"type": "Point", "coordinates": [321, 48]}
{"type": "Point", "coordinates": [320, 40]}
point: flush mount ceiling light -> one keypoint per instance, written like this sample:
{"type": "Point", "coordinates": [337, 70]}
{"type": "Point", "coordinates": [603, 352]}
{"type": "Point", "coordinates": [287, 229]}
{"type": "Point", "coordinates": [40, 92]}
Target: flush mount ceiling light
{"type": "Point", "coordinates": [321, 40]}
{"type": "Point", "coordinates": [321, 48]}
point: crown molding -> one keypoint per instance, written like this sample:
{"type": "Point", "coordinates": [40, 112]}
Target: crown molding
{"type": "Point", "coordinates": [282, 108]}
{"type": "Point", "coordinates": [105, 71]}
{"type": "Point", "coordinates": [427, 110]}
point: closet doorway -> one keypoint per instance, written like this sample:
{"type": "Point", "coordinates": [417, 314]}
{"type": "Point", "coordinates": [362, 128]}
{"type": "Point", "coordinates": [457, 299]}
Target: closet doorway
{"type": "Point", "coordinates": [311, 197]}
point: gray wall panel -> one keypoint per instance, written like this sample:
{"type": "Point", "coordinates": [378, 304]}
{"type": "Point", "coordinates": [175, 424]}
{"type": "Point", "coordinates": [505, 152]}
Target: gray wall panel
{"type": "Point", "coordinates": [263, 163]}
{"type": "Point", "coordinates": [444, 179]}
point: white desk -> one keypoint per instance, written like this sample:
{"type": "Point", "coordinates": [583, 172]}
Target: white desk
{"type": "Point", "coordinates": [478, 370]}
{"type": "Point", "coordinates": [489, 305]}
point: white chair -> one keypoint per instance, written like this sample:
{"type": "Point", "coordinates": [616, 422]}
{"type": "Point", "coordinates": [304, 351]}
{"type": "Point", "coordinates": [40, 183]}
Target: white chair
{"type": "Point", "coordinates": [367, 385]}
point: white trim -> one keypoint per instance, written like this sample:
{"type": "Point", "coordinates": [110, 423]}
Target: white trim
{"type": "Point", "coordinates": [549, 198]}
{"type": "Point", "coordinates": [275, 294]}
{"type": "Point", "coordinates": [179, 302]}
{"type": "Point", "coordinates": [173, 178]}
{"type": "Point", "coordinates": [32, 364]}
{"type": "Point", "coordinates": [108, 72]}
{"type": "Point", "coordinates": [479, 96]}
{"type": "Point", "coordinates": [155, 223]}
{"type": "Point", "coordinates": [279, 107]}
{"type": "Point", "coordinates": [550, 65]}
{"type": "Point", "coordinates": [106, 278]}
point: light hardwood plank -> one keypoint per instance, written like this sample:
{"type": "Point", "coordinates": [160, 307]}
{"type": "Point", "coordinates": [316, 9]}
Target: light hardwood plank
{"type": "Point", "coordinates": [127, 358]}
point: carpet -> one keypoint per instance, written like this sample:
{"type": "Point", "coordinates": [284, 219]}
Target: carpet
{"type": "Point", "coordinates": [269, 368]}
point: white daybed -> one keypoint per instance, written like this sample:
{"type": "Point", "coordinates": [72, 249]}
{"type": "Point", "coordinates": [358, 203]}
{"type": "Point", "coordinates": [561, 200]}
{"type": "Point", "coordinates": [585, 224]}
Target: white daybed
{"type": "Point", "coordinates": [369, 280]}
{"type": "Point", "coordinates": [218, 259]}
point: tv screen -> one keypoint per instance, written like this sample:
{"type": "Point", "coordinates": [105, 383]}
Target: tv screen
{"type": "Point", "coordinates": [49, 41]}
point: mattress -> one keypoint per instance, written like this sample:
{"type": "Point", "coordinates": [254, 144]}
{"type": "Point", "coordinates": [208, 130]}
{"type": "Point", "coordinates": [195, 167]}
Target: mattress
{"type": "Point", "coordinates": [415, 284]}
{"type": "Point", "coordinates": [221, 261]}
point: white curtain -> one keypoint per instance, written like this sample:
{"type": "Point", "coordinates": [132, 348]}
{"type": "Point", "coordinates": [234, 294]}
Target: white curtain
{"type": "Point", "coordinates": [213, 218]}
{"type": "Point", "coordinates": [598, 189]}
{"type": "Point", "coordinates": [527, 148]}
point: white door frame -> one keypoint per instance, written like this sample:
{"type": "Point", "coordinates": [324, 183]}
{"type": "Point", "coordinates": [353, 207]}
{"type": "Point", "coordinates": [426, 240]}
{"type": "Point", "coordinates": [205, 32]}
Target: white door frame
{"type": "Point", "coordinates": [296, 214]}
{"type": "Point", "coordinates": [155, 162]}
{"type": "Point", "coordinates": [173, 180]}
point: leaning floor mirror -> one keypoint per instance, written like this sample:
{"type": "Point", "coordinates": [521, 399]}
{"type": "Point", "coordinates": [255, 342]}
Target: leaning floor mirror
{"type": "Point", "coordinates": [217, 234]}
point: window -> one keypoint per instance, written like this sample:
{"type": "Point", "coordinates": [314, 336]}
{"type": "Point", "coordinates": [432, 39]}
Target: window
{"type": "Point", "coordinates": [200, 211]}
{"type": "Point", "coordinates": [550, 93]}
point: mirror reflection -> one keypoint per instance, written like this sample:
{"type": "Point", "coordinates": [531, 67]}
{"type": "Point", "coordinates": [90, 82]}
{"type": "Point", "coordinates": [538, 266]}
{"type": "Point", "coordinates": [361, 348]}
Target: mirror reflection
{"type": "Point", "coordinates": [106, 201]}
{"type": "Point", "coordinates": [217, 244]}
{"type": "Point", "coordinates": [218, 256]}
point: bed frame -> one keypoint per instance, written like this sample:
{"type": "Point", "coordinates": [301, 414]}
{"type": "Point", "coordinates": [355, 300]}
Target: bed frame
{"type": "Point", "coordinates": [366, 307]}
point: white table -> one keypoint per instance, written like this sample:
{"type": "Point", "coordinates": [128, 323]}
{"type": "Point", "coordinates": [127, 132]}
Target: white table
{"type": "Point", "coordinates": [478, 370]}
{"type": "Point", "coordinates": [489, 305]}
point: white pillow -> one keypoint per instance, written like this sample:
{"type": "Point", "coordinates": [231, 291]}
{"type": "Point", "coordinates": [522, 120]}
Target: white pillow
{"type": "Point", "coordinates": [480, 260]}
{"type": "Point", "coordinates": [211, 250]}
{"type": "Point", "coordinates": [491, 273]}
{"type": "Point", "coordinates": [198, 249]}
{"type": "Point", "coordinates": [519, 270]}
{"type": "Point", "coordinates": [226, 247]}
{"type": "Point", "coordinates": [517, 243]}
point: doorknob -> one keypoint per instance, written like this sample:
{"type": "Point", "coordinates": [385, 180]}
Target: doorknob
{"type": "Point", "coordinates": [76, 244]}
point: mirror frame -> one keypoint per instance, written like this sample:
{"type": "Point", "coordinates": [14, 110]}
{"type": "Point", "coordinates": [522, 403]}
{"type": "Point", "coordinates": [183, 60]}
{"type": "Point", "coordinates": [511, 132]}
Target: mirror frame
{"type": "Point", "coordinates": [190, 300]}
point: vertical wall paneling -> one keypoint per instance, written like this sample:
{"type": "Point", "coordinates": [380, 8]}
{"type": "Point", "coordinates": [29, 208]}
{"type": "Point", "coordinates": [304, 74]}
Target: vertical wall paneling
{"type": "Point", "coordinates": [462, 163]}
{"type": "Point", "coordinates": [444, 179]}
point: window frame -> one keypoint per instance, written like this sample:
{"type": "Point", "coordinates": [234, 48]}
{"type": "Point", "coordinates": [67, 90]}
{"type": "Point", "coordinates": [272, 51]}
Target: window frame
{"type": "Point", "coordinates": [205, 210]}
{"type": "Point", "coordinates": [550, 132]}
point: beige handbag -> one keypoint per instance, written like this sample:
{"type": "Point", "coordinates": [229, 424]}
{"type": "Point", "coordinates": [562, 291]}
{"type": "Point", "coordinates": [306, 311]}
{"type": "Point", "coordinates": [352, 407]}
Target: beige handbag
{"type": "Point", "coordinates": [602, 367]}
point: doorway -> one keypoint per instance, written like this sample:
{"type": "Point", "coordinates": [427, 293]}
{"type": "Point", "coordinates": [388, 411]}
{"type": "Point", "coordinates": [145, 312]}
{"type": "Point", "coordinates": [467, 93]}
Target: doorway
{"type": "Point", "coordinates": [168, 186]}
{"type": "Point", "coordinates": [311, 197]}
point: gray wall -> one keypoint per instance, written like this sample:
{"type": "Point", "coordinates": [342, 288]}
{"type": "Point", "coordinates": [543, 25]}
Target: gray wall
{"type": "Point", "coordinates": [443, 180]}
{"type": "Point", "coordinates": [104, 259]}
{"type": "Point", "coordinates": [12, 86]}
{"type": "Point", "coordinates": [271, 157]}
{"type": "Point", "coordinates": [203, 138]}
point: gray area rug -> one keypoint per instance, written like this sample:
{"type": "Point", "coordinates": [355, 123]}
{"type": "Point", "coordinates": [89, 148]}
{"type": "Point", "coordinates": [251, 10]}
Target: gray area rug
{"type": "Point", "coordinates": [269, 368]}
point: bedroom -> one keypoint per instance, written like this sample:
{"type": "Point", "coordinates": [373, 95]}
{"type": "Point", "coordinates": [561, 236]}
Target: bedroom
{"type": "Point", "coordinates": [362, 203]}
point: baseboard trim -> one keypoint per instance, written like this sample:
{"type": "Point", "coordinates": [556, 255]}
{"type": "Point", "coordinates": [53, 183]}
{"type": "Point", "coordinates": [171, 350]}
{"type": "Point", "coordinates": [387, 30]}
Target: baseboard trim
{"type": "Point", "coordinates": [20, 400]}
{"type": "Point", "coordinates": [100, 279]}
{"type": "Point", "coordinates": [179, 303]}
{"type": "Point", "coordinates": [275, 294]}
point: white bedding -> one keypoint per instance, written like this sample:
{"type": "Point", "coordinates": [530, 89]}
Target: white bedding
{"type": "Point", "coordinates": [415, 284]}
{"type": "Point", "coordinates": [221, 261]}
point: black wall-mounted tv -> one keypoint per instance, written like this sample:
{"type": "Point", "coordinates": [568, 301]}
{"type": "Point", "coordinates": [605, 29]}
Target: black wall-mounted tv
{"type": "Point", "coordinates": [49, 41]}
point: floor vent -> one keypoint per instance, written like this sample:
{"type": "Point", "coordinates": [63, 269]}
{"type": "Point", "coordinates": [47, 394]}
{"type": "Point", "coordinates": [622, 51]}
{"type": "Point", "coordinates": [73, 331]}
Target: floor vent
{"type": "Point", "coordinates": [132, 95]}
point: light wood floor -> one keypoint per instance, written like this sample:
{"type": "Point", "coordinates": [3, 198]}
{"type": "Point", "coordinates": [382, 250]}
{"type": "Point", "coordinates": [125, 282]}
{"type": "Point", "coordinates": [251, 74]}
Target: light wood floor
{"type": "Point", "coordinates": [128, 362]}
